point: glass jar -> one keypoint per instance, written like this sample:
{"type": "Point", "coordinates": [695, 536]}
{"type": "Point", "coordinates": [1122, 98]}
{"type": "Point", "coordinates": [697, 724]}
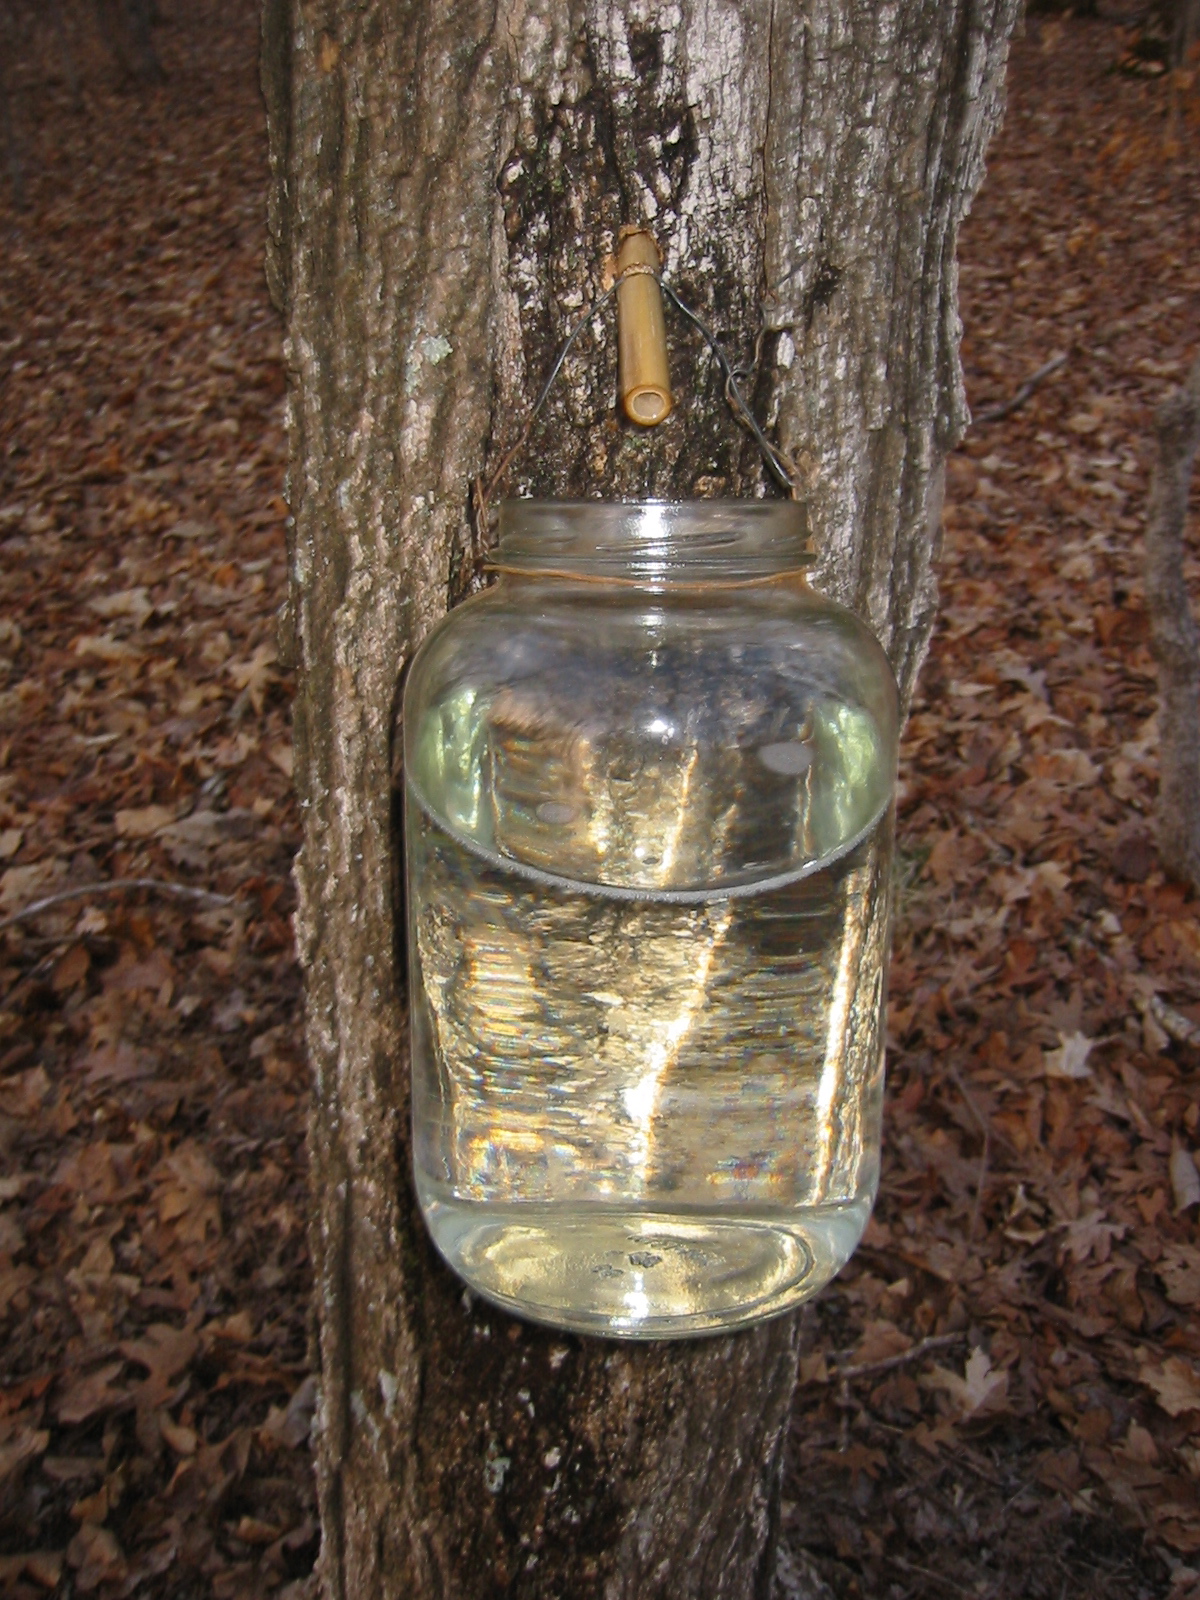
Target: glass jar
{"type": "Point", "coordinates": [648, 820]}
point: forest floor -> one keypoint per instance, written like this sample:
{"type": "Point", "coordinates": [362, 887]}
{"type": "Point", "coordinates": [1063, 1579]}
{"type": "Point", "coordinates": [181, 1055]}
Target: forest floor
{"type": "Point", "coordinates": [1001, 1395]}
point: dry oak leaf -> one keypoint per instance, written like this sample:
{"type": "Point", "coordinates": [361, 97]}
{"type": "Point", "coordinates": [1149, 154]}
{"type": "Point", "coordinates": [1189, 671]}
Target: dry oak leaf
{"type": "Point", "coordinates": [134, 603]}
{"type": "Point", "coordinates": [1139, 1445]}
{"type": "Point", "coordinates": [22, 1447]}
{"type": "Point", "coordinates": [282, 756]}
{"type": "Point", "coordinates": [1178, 1526]}
{"type": "Point", "coordinates": [144, 821]}
{"type": "Point", "coordinates": [980, 1392]}
{"type": "Point", "coordinates": [12, 1283]}
{"type": "Point", "coordinates": [25, 1094]}
{"type": "Point", "coordinates": [20, 885]}
{"type": "Point", "coordinates": [251, 1530]}
{"type": "Point", "coordinates": [164, 1352]}
{"type": "Point", "coordinates": [96, 1555]}
{"type": "Point", "coordinates": [105, 647]}
{"type": "Point", "coordinates": [1175, 1385]}
{"type": "Point", "coordinates": [98, 1171]}
{"type": "Point", "coordinates": [98, 1260]}
{"type": "Point", "coordinates": [880, 1340]}
{"type": "Point", "coordinates": [93, 1507]}
{"type": "Point", "coordinates": [1092, 1236]}
{"type": "Point", "coordinates": [89, 1396]}
{"type": "Point", "coordinates": [293, 1426]}
{"type": "Point", "coordinates": [254, 675]}
{"type": "Point", "coordinates": [1179, 1270]}
{"type": "Point", "coordinates": [1185, 1180]}
{"type": "Point", "coordinates": [43, 1566]}
{"type": "Point", "coordinates": [182, 1439]}
{"type": "Point", "coordinates": [187, 1195]}
{"type": "Point", "coordinates": [1070, 1059]}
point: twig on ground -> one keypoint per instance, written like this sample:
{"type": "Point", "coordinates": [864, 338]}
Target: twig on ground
{"type": "Point", "coordinates": [923, 1347]}
{"type": "Point", "coordinates": [91, 891]}
{"type": "Point", "coordinates": [1173, 635]}
{"type": "Point", "coordinates": [998, 413]}
{"type": "Point", "coordinates": [924, 1572]}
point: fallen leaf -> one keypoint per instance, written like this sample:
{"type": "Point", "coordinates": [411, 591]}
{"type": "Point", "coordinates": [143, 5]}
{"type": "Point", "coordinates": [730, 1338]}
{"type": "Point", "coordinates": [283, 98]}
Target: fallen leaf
{"type": "Point", "coordinates": [291, 1426]}
{"type": "Point", "coordinates": [981, 1391]}
{"type": "Point", "coordinates": [19, 886]}
{"type": "Point", "coordinates": [24, 1446]}
{"type": "Point", "coordinates": [165, 1352]}
{"type": "Point", "coordinates": [71, 969]}
{"type": "Point", "coordinates": [880, 1340]}
{"type": "Point", "coordinates": [144, 821]}
{"type": "Point", "coordinates": [96, 1556]}
{"type": "Point", "coordinates": [1091, 1236]}
{"type": "Point", "coordinates": [45, 1567]}
{"type": "Point", "coordinates": [98, 1259]}
{"type": "Point", "coordinates": [90, 1396]}
{"type": "Point", "coordinates": [188, 1184]}
{"type": "Point", "coordinates": [1185, 1179]}
{"type": "Point", "coordinates": [95, 1171]}
{"type": "Point", "coordinates": [25, 1094]}
{"type": "Point", "coordinates": [133, 603]}
{"type": "Point", "coordinates": [1139, 1445]}
{"type": "Point", "coordinates": [93, 1507]}
{"type": "Point", "coordinates": [253, 676]}
{"type": "Point", "coordinates": [13, 1284]}
{"type": "Point", "coordinates": [1179, 1269]}
{"type": "Point", "coordinates": [105, 647]}
{"type": "Point", "coordinates": [284, 757]}
{"type": "Point", "coordinates": [182, 1440]}
{"type": "Point", "coordinates": [1175, 1385]}
{"type": "Point", "coordinates": [1069, 1060]}
{"type": "Point", "coordinates": [253, 1531]}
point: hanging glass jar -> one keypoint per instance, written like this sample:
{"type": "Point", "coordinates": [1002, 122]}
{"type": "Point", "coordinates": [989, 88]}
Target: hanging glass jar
{"type": "Point", "coordinates": [649, 781]}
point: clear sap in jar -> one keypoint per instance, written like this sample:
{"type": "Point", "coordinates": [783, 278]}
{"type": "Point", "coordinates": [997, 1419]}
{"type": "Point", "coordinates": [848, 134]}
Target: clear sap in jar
{"type": "Point", "coordinates": [649, 843]}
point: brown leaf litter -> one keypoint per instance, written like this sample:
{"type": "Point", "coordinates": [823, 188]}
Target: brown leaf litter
{"type": "Point", "coordinates": [1001, 1396]}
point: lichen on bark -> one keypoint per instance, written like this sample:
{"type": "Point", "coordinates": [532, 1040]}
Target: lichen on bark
{"type": "Point", "coordinates": [447, 181]}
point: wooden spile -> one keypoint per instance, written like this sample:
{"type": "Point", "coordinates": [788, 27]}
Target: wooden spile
{"type": "Point", "coordinates": [645, 374]}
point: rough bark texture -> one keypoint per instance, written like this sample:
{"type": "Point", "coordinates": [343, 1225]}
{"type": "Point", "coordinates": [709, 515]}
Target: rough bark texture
{"type": "Point", "coordinates": [449, 175]}
{"type": "Point", "coordinates": [1174, 638]}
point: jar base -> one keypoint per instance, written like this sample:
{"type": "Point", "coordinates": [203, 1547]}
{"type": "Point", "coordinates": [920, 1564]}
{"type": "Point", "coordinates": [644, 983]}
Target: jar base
{"type": "Point", "coordinates": [643, 1274]}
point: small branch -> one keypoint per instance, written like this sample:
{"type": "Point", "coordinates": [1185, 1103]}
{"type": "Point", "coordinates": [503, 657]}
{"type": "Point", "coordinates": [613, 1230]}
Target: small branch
{"type": "Point", "coordinates": [1173, 636]}
{"type": "Point", "coordinates": [1034, 381]}
{"type": "Point", "coordinates": [923, 1347]}
{"type": "Point", "coordinates": [94, 891]}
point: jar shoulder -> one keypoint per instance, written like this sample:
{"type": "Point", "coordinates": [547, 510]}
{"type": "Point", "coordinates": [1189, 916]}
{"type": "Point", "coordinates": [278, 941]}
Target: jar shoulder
{"type": "Point", "coordinates": [579, 630]}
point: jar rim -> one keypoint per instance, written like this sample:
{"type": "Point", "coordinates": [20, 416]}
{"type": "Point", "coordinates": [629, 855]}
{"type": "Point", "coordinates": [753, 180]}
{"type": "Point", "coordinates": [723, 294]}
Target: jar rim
{"type": "Point", "coordinates": [654, 540]}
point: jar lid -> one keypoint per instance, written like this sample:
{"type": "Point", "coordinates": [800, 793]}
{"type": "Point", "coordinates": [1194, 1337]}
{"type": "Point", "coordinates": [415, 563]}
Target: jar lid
{"type": "Point", "coordinates": [655, 540]}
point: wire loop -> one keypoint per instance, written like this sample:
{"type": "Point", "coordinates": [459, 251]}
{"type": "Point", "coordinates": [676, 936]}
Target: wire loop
{"type": "Point", "coordinates": [782, 469]}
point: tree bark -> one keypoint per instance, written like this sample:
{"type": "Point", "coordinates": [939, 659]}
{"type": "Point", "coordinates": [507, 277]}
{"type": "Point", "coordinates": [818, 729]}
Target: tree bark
{"type": "Point", "coordinates": [448, 177]}
{"type": "Point", "coordinates": [1173, 634]}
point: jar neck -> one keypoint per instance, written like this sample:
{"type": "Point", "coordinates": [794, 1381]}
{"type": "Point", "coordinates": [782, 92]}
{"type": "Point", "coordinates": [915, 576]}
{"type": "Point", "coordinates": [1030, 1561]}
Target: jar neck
{"type": "Point", "coordinates": [654, 542]}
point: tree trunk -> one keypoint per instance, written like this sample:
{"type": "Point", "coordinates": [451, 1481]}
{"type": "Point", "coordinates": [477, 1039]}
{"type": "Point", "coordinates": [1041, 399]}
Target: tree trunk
{"type": "Point", "coordinates": [1174, 637]}
{"type": "Point", "coordinates": [448, 177]}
